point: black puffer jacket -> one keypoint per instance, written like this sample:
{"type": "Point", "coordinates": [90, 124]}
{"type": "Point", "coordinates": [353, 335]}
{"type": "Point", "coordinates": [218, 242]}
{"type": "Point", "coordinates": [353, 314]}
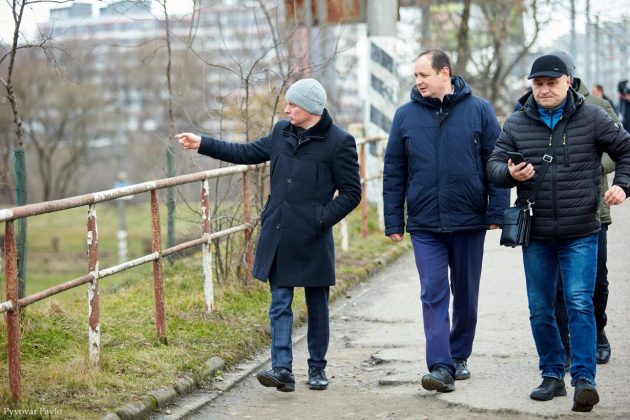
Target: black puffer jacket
{"type": "Point", "coordinates": [567, 202]}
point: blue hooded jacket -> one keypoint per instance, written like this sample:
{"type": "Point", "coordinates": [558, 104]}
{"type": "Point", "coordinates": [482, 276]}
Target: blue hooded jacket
{"type": "Point", "coordinates": [435, 162]}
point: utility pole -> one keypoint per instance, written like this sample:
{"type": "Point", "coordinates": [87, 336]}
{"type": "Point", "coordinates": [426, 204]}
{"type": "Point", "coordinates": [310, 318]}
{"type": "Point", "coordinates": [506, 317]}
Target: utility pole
{"type": "Point", "coordinates": [383, 87]}
{"type": "Point", "coordinates": [598, 49]}
{"type": "Point", "coordinates": [587, 45]}
{"type": "Point", "coordinates": [381, 17]}
{"type": "Point", "coordinates": [308, 23]}
{"type": "Point", "coordinates": [573, 45]}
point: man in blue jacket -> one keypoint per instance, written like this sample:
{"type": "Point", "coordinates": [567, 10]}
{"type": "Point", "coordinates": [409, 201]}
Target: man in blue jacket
{"type": "Point", "coordinates": [311, 158]}
{"type": "Point", "coordinates": [435, 162]}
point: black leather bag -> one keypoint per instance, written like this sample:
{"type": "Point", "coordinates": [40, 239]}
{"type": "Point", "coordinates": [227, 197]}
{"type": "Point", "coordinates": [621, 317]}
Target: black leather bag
{"type": "Point", "coordinates": [517, 223]}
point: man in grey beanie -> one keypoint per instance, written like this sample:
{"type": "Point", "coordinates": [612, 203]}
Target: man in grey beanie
{"type": "Point", "coordinates": [311, 158]}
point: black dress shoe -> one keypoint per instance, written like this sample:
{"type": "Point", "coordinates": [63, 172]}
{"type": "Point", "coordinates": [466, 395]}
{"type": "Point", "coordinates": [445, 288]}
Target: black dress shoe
{"type": "Point", "coordinates": [549, 388]}
{"type": "Point", "coordinates": [602, 354]}
{"type": "Point", "coordinates": [439, 380]}
{"type": "Point", "coordinates": [461, 369]}
{"type": "Point", "coordinates": [585, 396]}
{"type": "Point", "coordinates": [280, 378]}
{"type": "Point", "coordinates": [317, 379]}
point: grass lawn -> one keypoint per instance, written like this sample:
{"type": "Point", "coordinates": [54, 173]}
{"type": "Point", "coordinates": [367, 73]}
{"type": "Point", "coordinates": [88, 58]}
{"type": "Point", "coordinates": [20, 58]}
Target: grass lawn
{"type": "Point", "coordinates": [55, 374]}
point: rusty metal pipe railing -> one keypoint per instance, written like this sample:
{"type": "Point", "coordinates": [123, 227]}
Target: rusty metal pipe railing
{"type": "Point", "coordinates": [13, 316]}
{"type": "Point", "coordinates": [94, 321]}
{"type": "Point", "coordinates": [106, 272]}
{"type": "Point", "coordinates": [13, 305]}
{"type": "Point", "coordinates": [108, 195]}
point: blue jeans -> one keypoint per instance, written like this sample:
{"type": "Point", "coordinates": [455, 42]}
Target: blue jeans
{"type": "Point", "coordinates": [281, 320]}
{"type": "Point", "coordinates": [577, 260]}
{"type": "Point", "coordinates": [435, 254]}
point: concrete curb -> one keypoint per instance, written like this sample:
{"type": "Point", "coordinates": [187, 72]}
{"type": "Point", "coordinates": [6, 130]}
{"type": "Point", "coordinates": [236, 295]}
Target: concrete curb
{"type": "Point", "coordinates": [160, 398]}
{"type": "Point", "coordinates": [157, 400]}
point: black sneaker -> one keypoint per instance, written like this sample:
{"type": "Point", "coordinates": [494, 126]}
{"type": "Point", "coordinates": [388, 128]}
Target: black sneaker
{"type": "Point", "coordinates": [317, 379]}
{"type": "Point", "coordinates": [439, 380]}
{"type": "Point", "coordinates": [549, 388]}
{"type": "Point", "coordinates": [585, 396]}
{"type": "Point", "coordinates": [602, 354]}
{"type": "Point", "coordinates": [280, 378]}
{"type": "Point", "coordinates": [461, 369]}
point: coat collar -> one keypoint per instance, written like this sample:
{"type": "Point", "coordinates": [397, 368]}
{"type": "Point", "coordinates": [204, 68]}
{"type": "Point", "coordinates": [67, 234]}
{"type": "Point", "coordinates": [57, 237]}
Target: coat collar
{"type": "Point", "coordinates": [318, 131]}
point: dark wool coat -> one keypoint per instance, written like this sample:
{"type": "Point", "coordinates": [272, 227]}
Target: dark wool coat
{"type": "Point", "coordinates": [435, 162]}
{"type": "Point", "coordinates": [567, 203]}
{"type": "Point", "coordinates": [297, 220]}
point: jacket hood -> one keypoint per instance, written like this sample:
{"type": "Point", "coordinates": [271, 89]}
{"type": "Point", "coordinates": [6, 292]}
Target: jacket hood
{"type": "Point", "coordinates": [462, 90]}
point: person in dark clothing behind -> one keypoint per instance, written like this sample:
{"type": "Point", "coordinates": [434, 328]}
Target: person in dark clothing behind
{"type": "Point", "coordinates": [435, 161]}
{"type": "Point", "coordinates": [624, 103]}
{"type": "Point", "coordinates": [311, 158]}
{"type": "Point", "coordinates": [598, 90]}
{"type": "Point", "coordinates": [565, 224]}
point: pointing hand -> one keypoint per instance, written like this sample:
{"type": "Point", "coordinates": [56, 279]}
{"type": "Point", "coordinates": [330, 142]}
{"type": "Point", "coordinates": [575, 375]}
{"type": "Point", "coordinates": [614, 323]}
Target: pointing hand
{"type": "Point", "coordinates": [189, 141]}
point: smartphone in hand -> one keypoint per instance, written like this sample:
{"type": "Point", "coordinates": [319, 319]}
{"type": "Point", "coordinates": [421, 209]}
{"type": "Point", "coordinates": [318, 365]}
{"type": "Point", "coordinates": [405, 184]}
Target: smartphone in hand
{"type": "Point", "coordinates": [517, 157]}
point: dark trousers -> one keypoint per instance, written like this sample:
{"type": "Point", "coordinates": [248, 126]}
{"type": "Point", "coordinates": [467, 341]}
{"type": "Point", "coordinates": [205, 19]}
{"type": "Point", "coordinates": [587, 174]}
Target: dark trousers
{"type": "Point", "coordinates": [281, 320]}
{"type": "Point", "coordinates": [600, 295]}
{"type": "Point", "coordinates": [435, 253]}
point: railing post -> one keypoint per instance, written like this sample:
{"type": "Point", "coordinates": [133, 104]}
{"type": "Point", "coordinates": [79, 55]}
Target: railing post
{"type": "Point", "coordinates": [247, 219]}
{"type": "Point", "coordinates": [13, 316]}
{"type": "Point", "coordinates": [94, 329]}
{"type": "Point", "coordinates": [158, 284]}
{"type": "Point", "coordinates": [363, 190]}
{"type": "Point", "coordinates": [343, 228]}
{"type": "Point", "coordinates": [208, 289]}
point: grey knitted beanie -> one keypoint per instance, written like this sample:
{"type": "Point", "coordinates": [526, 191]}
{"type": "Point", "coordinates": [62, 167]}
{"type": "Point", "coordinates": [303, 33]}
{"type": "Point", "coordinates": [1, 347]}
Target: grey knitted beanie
{"type": "Point", "coordinates": [309, 95]}
{"type": "Point", "coordinates": [568, 60]}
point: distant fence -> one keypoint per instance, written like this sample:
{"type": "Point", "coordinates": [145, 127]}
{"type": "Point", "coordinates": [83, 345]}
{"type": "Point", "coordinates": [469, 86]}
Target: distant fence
{"type": "Point", "coordinates": [13, 305]}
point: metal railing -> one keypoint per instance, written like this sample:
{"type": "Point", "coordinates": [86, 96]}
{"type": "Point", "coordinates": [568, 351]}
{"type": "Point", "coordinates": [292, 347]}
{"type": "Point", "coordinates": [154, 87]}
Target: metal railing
{"type": "Point", "coordinates": [13, 305]}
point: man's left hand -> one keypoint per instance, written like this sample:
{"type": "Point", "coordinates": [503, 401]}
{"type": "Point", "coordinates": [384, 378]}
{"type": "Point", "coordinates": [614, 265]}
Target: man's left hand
{"type": "Point", "coordinates": [493, 227]}
{"type": "Point", "coordinates": [615, 195]}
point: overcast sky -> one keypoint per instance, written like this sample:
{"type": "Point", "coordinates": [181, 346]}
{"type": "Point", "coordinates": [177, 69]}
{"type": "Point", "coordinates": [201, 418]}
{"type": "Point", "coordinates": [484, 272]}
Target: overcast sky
{"type": "Point", "coordinates": [609, 10]}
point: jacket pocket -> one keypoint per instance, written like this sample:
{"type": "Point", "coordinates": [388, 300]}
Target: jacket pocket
{"type": "Point", "coordinates": [264, 212]}
{"type": "Point", "coordinates": [319, 219]}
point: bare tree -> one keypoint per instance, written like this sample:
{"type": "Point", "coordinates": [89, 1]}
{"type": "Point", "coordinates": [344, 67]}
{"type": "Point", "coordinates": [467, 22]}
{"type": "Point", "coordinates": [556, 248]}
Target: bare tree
{"type": "Point", "coordinates": [489, 39]}
{"type": "Point", "coordinates": [63, 119]}
{"type": "Point", "coordinates": [17, 11]}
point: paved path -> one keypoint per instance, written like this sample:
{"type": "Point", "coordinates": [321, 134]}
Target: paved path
{"type": "Point", "coordinates": [376, 357]}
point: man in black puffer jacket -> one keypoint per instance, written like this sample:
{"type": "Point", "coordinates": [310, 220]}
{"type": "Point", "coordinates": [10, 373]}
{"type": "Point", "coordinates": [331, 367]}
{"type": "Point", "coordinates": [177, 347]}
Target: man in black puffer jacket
{"type": "Point", "coordinates": [565, 216]}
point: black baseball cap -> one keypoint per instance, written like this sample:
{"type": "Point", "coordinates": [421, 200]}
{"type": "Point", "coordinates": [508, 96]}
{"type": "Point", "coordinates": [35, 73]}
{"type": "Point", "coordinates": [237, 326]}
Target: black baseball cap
{"type": "Point", "coordinates": [548, 66]}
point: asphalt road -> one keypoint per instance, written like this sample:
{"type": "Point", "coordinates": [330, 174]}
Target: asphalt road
{"type": "Point", "coordinates": [376, 355]}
